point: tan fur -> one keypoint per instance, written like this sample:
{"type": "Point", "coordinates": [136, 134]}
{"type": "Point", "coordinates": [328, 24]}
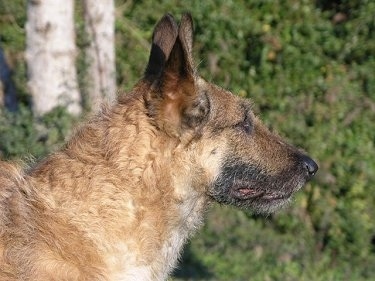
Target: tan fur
{"type": "Point", "coordinates": [119, 200]}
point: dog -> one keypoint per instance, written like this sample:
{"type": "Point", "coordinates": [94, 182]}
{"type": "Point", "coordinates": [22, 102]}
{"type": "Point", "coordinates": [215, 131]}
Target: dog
{"type": "Point", "coordinates": [119, 200]}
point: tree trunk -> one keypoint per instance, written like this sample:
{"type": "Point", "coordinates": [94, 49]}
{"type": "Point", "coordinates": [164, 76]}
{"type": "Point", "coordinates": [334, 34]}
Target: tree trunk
{"type": "Point", "coordinates": [50, 56]}
{"type": "Point", "coordinates": [100, 54]}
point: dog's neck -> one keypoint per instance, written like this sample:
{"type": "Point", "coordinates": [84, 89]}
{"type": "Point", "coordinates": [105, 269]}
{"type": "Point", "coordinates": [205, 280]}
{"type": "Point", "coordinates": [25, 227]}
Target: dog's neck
{"type": "Point", "coordinates": [129, 205]}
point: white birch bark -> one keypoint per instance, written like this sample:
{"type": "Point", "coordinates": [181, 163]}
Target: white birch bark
{"type": "Point", "coordinates": [50, 56]}
{"type": "Point", "coordinates": [100, 54]}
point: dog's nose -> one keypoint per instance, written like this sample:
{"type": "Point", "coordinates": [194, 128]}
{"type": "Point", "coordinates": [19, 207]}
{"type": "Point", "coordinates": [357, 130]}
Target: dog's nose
{"type": "Point", "coordinates": [310, 165]}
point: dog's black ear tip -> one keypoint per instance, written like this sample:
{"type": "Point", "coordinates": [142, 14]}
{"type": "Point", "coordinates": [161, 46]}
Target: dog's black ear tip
{"type": "Point", "coordinates": [186, 20]}
{"type": "Point", "coordinates": [187, 16]}
{"type": "Point", "coordinates": [166, 24]}
{"type": "Point", "coordinates": [169, 16]}
{"type": "Point", "coordinates": [168, 19]}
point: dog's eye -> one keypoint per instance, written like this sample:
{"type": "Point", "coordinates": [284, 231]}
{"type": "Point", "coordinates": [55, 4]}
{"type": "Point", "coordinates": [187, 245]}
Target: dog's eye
{"type": "Point", "coordinates": [245, 125]}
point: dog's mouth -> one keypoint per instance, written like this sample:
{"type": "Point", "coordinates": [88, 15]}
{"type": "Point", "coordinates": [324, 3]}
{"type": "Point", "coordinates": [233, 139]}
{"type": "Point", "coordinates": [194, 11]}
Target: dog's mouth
{"type": "Point", "coordinates": [246, 186]}
{"type": "Point", "coordinates": [246, 192]}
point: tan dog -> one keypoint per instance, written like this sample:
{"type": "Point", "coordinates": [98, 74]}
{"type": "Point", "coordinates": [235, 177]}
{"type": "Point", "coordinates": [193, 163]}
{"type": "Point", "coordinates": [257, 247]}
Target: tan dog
{"type": "Point", "coordinates": [119, 200]}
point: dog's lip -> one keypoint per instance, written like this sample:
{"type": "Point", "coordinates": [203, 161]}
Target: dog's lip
{"type": "Point", "coordinates": [246, 192]}
{"type": "Point", "coordinates": [243, 192]}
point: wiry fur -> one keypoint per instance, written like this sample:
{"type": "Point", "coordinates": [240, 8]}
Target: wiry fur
{"type": "Point", "coordinates": [119, 200]}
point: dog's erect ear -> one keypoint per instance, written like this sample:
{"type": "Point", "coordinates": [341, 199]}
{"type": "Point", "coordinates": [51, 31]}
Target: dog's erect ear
{"type": "Point", "coordinates": [185, 34]}
{"type": "Point", "coordinates": [163, 40]}
{"type": "Point", "coordinates": [174, 101]}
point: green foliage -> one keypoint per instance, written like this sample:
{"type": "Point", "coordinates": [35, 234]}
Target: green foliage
{"type": "Point", "coordinates": [309, 68]}
{"type": "Point", "coordinates": [12, 40]}
{"type": "Point", "coordinates": [22, 136]}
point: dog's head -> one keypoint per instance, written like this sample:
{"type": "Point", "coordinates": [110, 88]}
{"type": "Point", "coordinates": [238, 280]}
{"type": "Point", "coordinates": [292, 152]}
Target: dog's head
{"type": "Point", "coordinates": [233, 157]}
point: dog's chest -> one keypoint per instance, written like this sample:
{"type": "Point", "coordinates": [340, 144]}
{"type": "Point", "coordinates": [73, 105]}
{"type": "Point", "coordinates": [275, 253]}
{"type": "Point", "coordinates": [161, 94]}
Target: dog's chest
{"type": "Point", "coordinates": [191, 217]}
{"type": "Point", "coordinates": [166, 257]}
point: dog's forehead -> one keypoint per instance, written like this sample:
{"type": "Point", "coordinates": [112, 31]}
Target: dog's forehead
{"type": "Point", "coordinates": [216, 93]}
{"type": "Point", "coordinates": [223, 101]}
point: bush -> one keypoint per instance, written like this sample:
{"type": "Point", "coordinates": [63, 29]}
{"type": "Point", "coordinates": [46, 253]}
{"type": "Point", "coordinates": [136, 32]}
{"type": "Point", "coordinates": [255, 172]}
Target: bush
{"type": "Point", "coordinates": [22, 136]}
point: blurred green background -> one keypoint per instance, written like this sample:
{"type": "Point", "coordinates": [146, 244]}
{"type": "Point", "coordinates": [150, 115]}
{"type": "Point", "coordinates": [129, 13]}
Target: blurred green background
{"type": "Point", "coordinates": [309, 67]}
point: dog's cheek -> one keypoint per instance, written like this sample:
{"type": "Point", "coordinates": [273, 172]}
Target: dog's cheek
{"type": "Point", "coordinates": [209, 158]}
